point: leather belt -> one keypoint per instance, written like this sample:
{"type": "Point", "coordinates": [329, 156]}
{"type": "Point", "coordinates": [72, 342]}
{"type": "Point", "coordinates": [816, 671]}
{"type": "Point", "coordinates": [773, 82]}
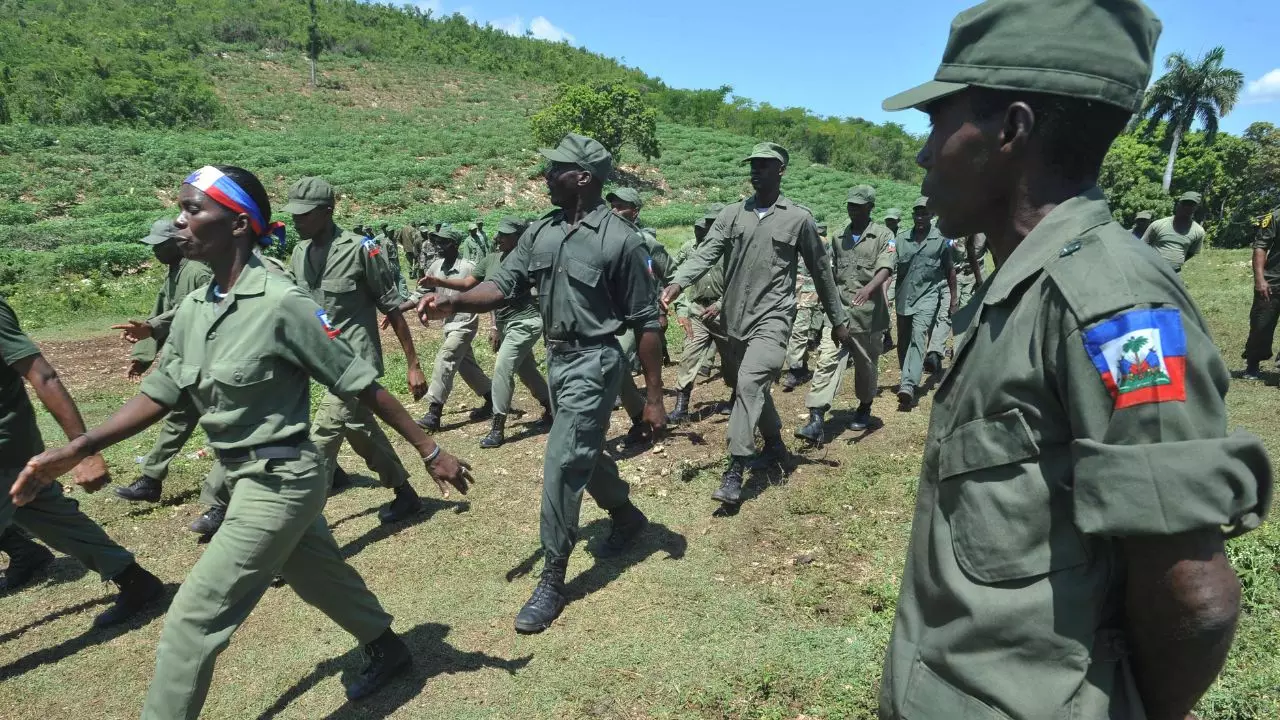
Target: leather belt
{"type": "Point", "coordinates": [287, 449]}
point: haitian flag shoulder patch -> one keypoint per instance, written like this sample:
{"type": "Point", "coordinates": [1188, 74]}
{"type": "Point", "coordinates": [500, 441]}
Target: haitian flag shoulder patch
{"type": "Point", "coordinates": [329, 329]}
{"type": "Point", "coordinates": [1141, 355]}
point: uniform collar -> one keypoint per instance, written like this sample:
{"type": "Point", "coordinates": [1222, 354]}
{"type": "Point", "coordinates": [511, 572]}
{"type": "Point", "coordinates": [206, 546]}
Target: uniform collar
{"type": "Point", "coordinates": [1071, 219]}
{"type": "Point", "coordinates": [873, 228]}
{"type": "Point", "coordinates": [594, 217]}
{"type": "Point", "coordinates": [782, 203]}
{"type": "Point", "coordinates": [252, 281]}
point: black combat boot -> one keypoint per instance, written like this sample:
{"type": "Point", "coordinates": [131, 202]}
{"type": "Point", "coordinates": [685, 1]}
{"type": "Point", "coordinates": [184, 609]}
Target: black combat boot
{"type": "Point", "coordinates": [681, 413]}
{"type": "Point", "coordinates": [638, 434]}
{"type": "Point", "coordinates": [388, 657]}
{"type": "Point", "coordinates": [906, 400]}
{"type": "Point", "coordinates": [933, 362]}
{"type": "Point", "coordinates": [813, 432]}
{"type": "Point", "coordinates": [730, 490]}
{"type": "Point", "coordinates": [406, 504]}
{"type": "Point", "coordinates": [774, 453]}
{"type": "Point", "coordinates": [547, 418]}
{"type": "Point", "coordinates": [861, 417]}
{"type": "Point", "coordinates": [628, 523]}
{"type": "Point", "coordinates": [547, 601]}
{"type": "Point", "coordinates": [138, 588]}
{"type": "Point", "coordinates": [485, 411]}
{"type": "Point", "coordinates": [341, 481]}
{"type": "Point", "coordinates": [726, 408]}
{"type": "Point", "coordinates": [431, 421]}
{"type": "Point", "coordinates": [26, 559]}
{"type": "Point", "coordinates": [144, 489]}
{"type": "Point", "coordinates": [1251, 371]}
{"type": "Point", "coordinates": [793, 379]}
{"type": "Point", "coordinates": [210, 521]}
{"type": "Point", "coordinates": [496, 435]}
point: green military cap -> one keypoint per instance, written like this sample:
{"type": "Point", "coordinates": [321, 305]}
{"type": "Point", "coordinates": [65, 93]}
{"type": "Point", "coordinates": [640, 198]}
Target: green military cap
{"type": "Point", "coordinates": [511, 226]}
{"type": "Point", "coordinates": [822, 228]}
{"type": "Point", "coordinates": [893, 214]}
{"type": "Point", "coordinates": [704, 222]}
{"type": "Point", "coordinates": [770, 151]}
{"type": "Point", "coordinates": [1083, 49]}
{"type": "Point", "coordinates": [630, 196]}
{"type": "Point", "coordinates": [1190, 197]}
{"type": "Point", "coordinates": [307, 194]}
{"type": "Point", "coordinates": [473, 226]}
{"type": "Point", "coordinates": [921, 202]}
{"type": "Point", "coordinates": [449, 233]}
{"type": "Point", "coordinates": [424, 229]}
{"type": "Point", "coordinates": [1143, 215]}
{"type": "Point", "coordinates": [583, 152]}
{"type": "Point", "coordinates": [862, 195]}
{"type": "Point", "coordinates": [161, 231]}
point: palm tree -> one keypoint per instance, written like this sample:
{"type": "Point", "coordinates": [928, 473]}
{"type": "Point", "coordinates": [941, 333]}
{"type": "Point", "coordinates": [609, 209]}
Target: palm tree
{"type": "Point", "coordinates": [1202, 90]}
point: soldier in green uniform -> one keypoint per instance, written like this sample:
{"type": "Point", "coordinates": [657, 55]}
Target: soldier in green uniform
{"type": "Point", "coordinates": [591, 271]}
{"type": "Point", "coordinates": [1177, 238]}
{"type": "Point", "coordinates": [1141, 222]}
{"type": "Point", "coordinates": [699, 314]}
{"type": "Point", "coordinates": [968, 256]}
{"type": "Point", "coordinates": [410, 240]}
{"type": "Point", "coordinates": [245, 351]}
{"type": "Point", "coordinates": [892, 219]}
{"type": "Point", "coordinates": [682, 305]}
{"type": "Point", "coordinates": [183, 277]}
{"type": "Point", "coordinates": [863, 257]}
{"type": "Point", "coordinates": [764, 236]}
{"type": "Point", "coordinates": [349, 277]}
{"type": "Point", "coordinates": [808, 323]}
{"type": "Point", "coordinates": [1266, 295]}
{"type": "Point", "coordinates": [456, 356]}
{"type": "Point", "coordinates": [476, 232]}
{"type": "Point", "coordinates": [46, 512]}
{"type": "Point", "coordinates": [626, 204]}
{"type": "Point", "coordinates": [392, 250]}
{"type": "Point", "coordinates": [925, 276]}
{"type": "Point", "coordinates": [1066, 555]}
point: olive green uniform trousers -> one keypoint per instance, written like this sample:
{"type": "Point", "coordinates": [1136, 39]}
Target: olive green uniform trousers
{"type": "Point", "coordinates": [57, 520]}
{"type": "Point", "coordinates": [517, 339]}
{"type": "Point", "coordinates": [178, 427]}
{"type": "Point", "coordinates": [705, 337]}
{"type": "Point", "coordinates": [941, 329]}
{"type": "Point", "coordinates": [833, 361]}
{"type": "Point", "coordinates": [913, 338]}
{"type": "Point", "coordinates": [584, 384]}
{"type": "Point", "coordinates": [337, 420]}
{"type": "Point", "coordinates": [632, 398]}
{"type": "Point", "coordinates": [809, 321]}
{"type": "Point", "coordinates": [965, 287]}
{"type": "Point", "coordinates": [274, 526]}
{"type": "Point", "coordinates": [454, 358]}
{"type": "Point", "coordinates": [758, 359]}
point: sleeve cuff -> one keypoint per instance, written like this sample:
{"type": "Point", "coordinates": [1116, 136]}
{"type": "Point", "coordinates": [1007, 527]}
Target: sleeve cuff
{"type": "Point", "coordinates": [1171, 487]}
{"type": "Point", "coordinates": [161, 388]}
{"type": "Point", "coordinates": [359, 375]}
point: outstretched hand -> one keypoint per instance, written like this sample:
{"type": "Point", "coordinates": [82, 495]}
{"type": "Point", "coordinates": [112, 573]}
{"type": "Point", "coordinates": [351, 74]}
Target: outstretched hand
{"type": "Point", "coordinates": [448, 470]}
{"type": "Point", "coordinates": [42, 470]}
{"type": "Point", "coordinates": [133, 330]}
{"type": "Point", "coordinates": [669, 295]}
{"type": "Point", "coordinates": [433, 307]}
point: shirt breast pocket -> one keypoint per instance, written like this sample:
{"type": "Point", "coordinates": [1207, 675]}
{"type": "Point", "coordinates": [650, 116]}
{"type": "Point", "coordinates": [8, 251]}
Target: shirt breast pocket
{"type": "Point", "coordinates": [240, 384]}
{"type": "Point", "coordinates": [336, 292]}
{"type": "Point", "coordinates": [1008, 521]}
{"type": "Point", "coordinates": [540, 264]}
{"type": "Point", "coordinates": [784, 247]}
{"type": "Point", "coordinates": [583, 273]}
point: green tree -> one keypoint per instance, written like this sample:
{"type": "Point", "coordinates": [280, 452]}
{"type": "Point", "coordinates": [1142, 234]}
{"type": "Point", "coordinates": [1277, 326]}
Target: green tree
{"type": "Point", "coordinates": [1190, 91]}
{"type": "Point", "coordinates": [313, 39]}
{"type": "Point", "coordinates": [610, 112]}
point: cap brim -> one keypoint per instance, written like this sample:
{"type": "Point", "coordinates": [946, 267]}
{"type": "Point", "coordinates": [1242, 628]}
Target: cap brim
{"type": "Point", "coordinates": [753, 156]}
{"type": "Point", "coordinates": [554, 155]}
{"type": "Point", "coordinates": [155, 239]}
{"type": "Point", "coordinates": [921, 95]}
{"type": "Point", "coordinates": [298, 207]}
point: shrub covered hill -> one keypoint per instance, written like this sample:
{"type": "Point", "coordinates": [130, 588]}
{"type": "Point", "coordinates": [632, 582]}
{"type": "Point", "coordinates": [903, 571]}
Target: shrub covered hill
{"type": "Point", "coordinates": [107, 103]}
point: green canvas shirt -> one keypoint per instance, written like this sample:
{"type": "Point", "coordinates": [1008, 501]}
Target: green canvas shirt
{"type": "Point", "coordinates": [1011, 603]}
{"type": "Point", "coordinates": [960, 254]}
{"type": "Point", "coordinates": [180, 281]}
{"type": "Point", "coordinates": [19, 434]}
{"type": "Point", "coordinates": [856, 264]}
{"type": "Point", "coordinates": [922, 267]}
{"type": "Point", "coordinates": [458, 269]}
{"type": "Point", "coordinates": [1266, 240]}
{"type": "Point", "coordinates": [1172, 245]}
{"type": "Point", "coordinates": [592, 280]}
{"type": "Point", "coordinates": [521, 308]}
{"type": "Point", "coordinates": [391, 248]}
{"type": "Point", "coordinates": [352, 282]}
{"type": "Point", "coordinates": [247, 362]}
{"type": "Point", "coordinates": [760, 272]}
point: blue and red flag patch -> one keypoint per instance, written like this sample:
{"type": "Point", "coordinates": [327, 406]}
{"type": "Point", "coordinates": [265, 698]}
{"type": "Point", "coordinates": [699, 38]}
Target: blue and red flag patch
{"type": "Point", "coordinates": [371, 247]}
{"type": "Point", "coordinates": [1141, 355]}
{"type": "Point", "coordinates": [329, 329]}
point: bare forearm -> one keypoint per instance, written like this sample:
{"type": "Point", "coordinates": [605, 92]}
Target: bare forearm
{"type": "Point", "coordinates": [951, 283]}
{"type": "Point", "coordinates": [1182, 601]}
{"type": "Point", "coordinates": [482, 298]}
{"type": "Point", "coordinates": [54, 396]}
{"type": "Point", "coordinates": [1259, 266]}
{"type": "Point", "coordinates": [649, 348]}
{"type": "Point", "coordinates": [401, 329]}
{"type": "Point", "coordinates": [878, 280]}
{"type": "Point", "coordinates": [389, 410]}
{"type": "Point", "coordinates": [459, 284]}
{"type": "Point", "coordinates": [140, 413]}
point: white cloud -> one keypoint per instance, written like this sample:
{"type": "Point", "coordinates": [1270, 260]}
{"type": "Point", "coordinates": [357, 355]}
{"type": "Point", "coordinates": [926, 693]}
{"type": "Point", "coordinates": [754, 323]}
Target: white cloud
{"type": "Point", "coordinates": [543, 29]}
{"type": "Point", "coordinates": [513, 25]}
{"type": "Point", "coordinates": [1264, 89]}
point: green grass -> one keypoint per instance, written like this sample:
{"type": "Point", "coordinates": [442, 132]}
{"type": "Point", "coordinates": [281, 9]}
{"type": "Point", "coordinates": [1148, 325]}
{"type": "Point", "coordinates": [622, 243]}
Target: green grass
{"type": "Point", "coordinates": [780, 612]}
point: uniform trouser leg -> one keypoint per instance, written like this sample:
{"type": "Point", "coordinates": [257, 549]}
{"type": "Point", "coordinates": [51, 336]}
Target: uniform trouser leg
{"type": "Point", "coordinates": [965, 287]}
{"type": "Point", "coordinates": [798, 344]}
{"type": "Point", "coordinates": [632, 398]}
{"type": "Point", "coordinates": [696, 346]}
{"type": "Point", "coordinates": [913, 331]}
{"type": "Point", "coordinates": [1262, 326]}
{"type": "Point", "coordinates": [175, 431]}
{"type": "Point", "coordinates": [515, 358]}
{"type": "Point", "coordinates": [864, 356]}
{"type": "Point", "coordinates": [57, 520]}
{"type": "Point", "coordinates": [274, 525]}
{"type": "Point", "coordinates": [941, 328]}
{"type": "Point", "coordinates": [214, 490]}
{"type": "Point", "coordinates": [338, 419]}
{"type": "Point", "coordinates": [759, 361]}
{"type": "Point", "coordinates": [457, 358]}
{"type": "Point", "coordinates": [584, 383]}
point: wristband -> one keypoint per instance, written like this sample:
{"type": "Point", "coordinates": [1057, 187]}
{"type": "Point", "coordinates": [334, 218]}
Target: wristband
{"type": "Point", "coordinates": [432, 456]}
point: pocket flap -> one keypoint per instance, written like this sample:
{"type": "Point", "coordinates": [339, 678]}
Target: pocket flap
{"type": "Point", "coordinates": [583, 272]}
{"type": "Point", "coordinates": [986, 443]}
{"type": "Point", "coordinates": [540, 261]}
{"type": "Point", "coordinates": [242, 374]}
{"type": "Point", "coordinates": [929, 696]}
{"type": "Point", "coordinates": [188, 375]}
{"type": "Point", "coordinates": [338, 285]}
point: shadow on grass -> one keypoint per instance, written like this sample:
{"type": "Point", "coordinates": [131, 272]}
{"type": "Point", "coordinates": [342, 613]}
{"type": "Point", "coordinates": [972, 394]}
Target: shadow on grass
{"type": "Point", "coordinates": [87, 639]}
{"type": "Point", "coordinates": [430, 506]}
{"type": "Point", "coordinates": [143, 509]}
{"type": "Point", "coordinates": [432, 657]}
{"type": "Point", "coordinates": [758, 481]}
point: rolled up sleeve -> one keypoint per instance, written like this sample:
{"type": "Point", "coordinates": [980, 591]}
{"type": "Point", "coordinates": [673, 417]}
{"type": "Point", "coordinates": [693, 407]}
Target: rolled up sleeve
{"type": "Point", "coordinates": [634, 287]}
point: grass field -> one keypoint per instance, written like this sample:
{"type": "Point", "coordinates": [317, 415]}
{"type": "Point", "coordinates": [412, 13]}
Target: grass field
{"type": "Point", "coordinates": [781, 611]}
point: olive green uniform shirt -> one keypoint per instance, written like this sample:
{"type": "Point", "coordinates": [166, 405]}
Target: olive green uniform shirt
{"type": "Point", "coordinates": [1037, 463]}
{"type": "Point", "coordinates": [856, 264]}
{"type": "Point", "coordinates": [1266, 240]}
{"type": "Point", "coordinates": [460, 268]}
{"type": "Point", "coordinates": [246, 362]}
{"type": "Point", "coordinates": [180, 281]}
{"type": "Point", "coordinates": [760, 273]}
{"type": "Point", "coordinates": [352, 282]}
{"type": "Point", "coordinates": [592, 280]}
{"type": "Point", "coordinates": [520, 308]}
{"type": "Point", "coordinates": [1172, 245]}
{"type": "Point", "coordinates": [19, 435]}
{"type": "Point", "coordinates": [960, 254]}
{"type": "Point", "coordinates": [391, 248]}
{"type": "Point", "coordinates": [922, 267]}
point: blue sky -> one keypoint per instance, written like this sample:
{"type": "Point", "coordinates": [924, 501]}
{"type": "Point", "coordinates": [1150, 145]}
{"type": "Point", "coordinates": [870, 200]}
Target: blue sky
{"type": "Point", "coordinates": [842, 57]}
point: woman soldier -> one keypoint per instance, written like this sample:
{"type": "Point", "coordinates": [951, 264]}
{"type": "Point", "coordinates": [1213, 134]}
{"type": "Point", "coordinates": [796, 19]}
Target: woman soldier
{"type": "Point", "coordinates": [245, 348]}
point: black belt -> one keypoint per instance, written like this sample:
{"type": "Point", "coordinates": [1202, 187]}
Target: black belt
{"type": "Point", "coordinates": [287, 449]}
{"type": "Point", "coordinates": [580, 343]}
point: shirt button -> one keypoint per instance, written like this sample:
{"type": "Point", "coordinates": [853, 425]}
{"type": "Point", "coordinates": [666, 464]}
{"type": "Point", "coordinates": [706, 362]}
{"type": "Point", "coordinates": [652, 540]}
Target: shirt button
{"type": "Point", "coordinates": [213, 334]}
{"type": "Point", "coordinates": [239, 377]}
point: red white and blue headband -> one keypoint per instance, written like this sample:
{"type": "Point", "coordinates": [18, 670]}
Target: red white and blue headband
{"type": "Point", "coordinates": [227, 192]}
